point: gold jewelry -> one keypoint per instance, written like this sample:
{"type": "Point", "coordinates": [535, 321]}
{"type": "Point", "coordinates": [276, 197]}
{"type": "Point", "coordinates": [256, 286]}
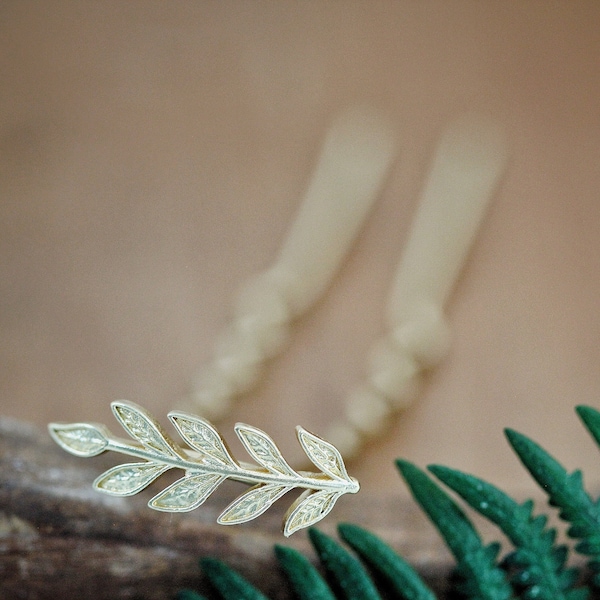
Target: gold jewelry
{"type": "Point", "coordinates": [208, 463]}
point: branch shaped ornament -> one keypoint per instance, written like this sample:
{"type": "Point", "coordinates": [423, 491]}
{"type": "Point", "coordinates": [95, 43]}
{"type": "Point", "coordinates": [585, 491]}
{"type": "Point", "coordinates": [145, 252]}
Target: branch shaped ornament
{"type": "Point", "coordinates": [207, 463]}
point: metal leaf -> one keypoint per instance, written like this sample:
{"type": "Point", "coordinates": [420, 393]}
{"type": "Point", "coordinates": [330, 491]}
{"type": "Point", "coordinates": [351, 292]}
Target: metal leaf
{"type": "Point", "coordinates": [187, 493]}
{"type": "Point", "coordinates": [203, 437]}
{"type": "Point", "coordinates": [80, 439]}
{"type": "Point", "coordinates": [141, 426]}
{"type": "Point", "coordinates": [308, 509]}
{"type": "Point", "coordinates": [129, 479]}
{"type": "Point", "coordinates": [322, 454]}
{"type": "Point", "coordinates": [262, 448]}
{"type": "Point", "coordinates": [252, 504]}
{"type": "Point", "coordinates": [208, 463]}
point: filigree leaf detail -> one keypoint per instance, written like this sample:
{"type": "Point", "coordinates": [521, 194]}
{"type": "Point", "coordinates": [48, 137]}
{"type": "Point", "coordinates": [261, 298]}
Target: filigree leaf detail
{"type": "Point", "coordinates": [129, 479]}
{"type": "Point", "coordinates": [140, 425]}
{"type": "Point", "coordinates": [207, 462]}
{"type": "Point", "coordinates": [263, 449]}
{"type": "Point", "coordinates": [80, 439]}
{"type": "Point", "coordinates": [308, 509]}
{"type": "Point", "coordinates": [187, 493]}
{"type": "Point", "coordinates": [203, 437]}
{"type": "Point", "coordinates": [252, 503]}
{"type": "Point", "coordinates": [322, 454]}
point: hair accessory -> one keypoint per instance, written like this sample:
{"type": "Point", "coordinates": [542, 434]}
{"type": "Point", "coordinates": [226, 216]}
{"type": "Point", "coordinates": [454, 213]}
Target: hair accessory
{"type": "Point", "coordinates": [355, 158]}
{"type": "Point", "coordinates": [469, 160]}
{"type": "Point", "coordinates": [207, 463]}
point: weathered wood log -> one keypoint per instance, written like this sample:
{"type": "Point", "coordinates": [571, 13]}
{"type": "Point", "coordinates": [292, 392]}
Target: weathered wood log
{"type": "Point", "coordinates": [61, 539]}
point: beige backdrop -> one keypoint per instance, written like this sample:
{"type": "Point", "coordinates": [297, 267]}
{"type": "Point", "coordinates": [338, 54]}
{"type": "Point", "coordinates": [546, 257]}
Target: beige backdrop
{"type": "Point", "coordinates": [153, 154]}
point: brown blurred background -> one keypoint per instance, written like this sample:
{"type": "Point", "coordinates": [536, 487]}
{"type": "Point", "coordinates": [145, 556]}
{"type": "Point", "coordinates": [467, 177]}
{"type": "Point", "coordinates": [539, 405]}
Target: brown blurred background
{"type": "Point", "coordinates": [152, 157]}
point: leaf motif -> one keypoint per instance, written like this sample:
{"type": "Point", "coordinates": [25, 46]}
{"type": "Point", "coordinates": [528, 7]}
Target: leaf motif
{"type": "Point", "coordinates": [203, 437]}
{"type": "Point", "coordinates": [308, 509]}
{"type": "Point", "coordinates": [80, 439]}
{"type": "Point", "coordinates": [186, 493]}
{"type": "Point", "coordinates": [208, 463]}
{"type": "Point", "coordinates": [262, 448]}
{"type": "Point", "coordinates": [252, 503]}
{"type": "Point", "coordinates": [140, 425]}
{"type": "Point", "coordinates": [322, 454]}
{"type": "Point", "coordinates": [129, 479]}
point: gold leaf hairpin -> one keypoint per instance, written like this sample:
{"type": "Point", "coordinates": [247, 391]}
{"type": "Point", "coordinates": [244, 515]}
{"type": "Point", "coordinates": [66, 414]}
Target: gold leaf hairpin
{"type": "Point", "coordinates": [208, 463]}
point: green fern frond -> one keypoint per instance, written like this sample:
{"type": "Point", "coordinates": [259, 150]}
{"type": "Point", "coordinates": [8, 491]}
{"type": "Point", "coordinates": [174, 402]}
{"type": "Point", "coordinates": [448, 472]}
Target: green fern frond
{"type": "Point", "coordinates": [382, 559]}
{"type": "Point", "coordinates": [537, 565]}
{"type": "Point", "coordinates": [591, 419]}
{"type": "Point", "coordinates": [229, 583]}
{"type": "Point", "coordinates": [476, 563]}
{"type": "Point", "coordinates": [344, 569]}
{"type": "Point", "coordinates": [565, 491]}
{"type": "Point", "coordinates": [346, 573]}
{"type": "Point", "coordinates": [540, 567]}
{"type": "Point", "coordinates": [304, 578]}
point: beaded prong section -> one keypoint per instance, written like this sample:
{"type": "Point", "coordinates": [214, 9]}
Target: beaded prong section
{"type": "Point", "coordinates": [207, 463]}
{"type": "Point", "coordinates": [356, 156]}
{"type": "Point", "coordinates": [467, 166]}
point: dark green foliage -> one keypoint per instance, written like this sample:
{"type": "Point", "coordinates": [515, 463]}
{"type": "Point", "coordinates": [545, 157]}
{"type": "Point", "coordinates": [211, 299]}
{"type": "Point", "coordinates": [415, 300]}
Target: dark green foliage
{"type": "Point", "coordinates": [304, 578]}
{"type": "Point", "coordinates": [348, 578]}
{"type": "Point", "coordinates": [345, 570]}
{"type": "Point", "coordinates": [228, 583]}
{"type": "Point", "coordinates": [565, 491]}
{"type": "Point", "coordinates": [535, 569]}
{"type": "Point", "coordinates": [382, 559]}
{"type": "Point", "coordinates": [476, 563]}
{"type": "Point", "coordinates": [538, 566]}
{"type": "Point", "coordinates": [591, 419]}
